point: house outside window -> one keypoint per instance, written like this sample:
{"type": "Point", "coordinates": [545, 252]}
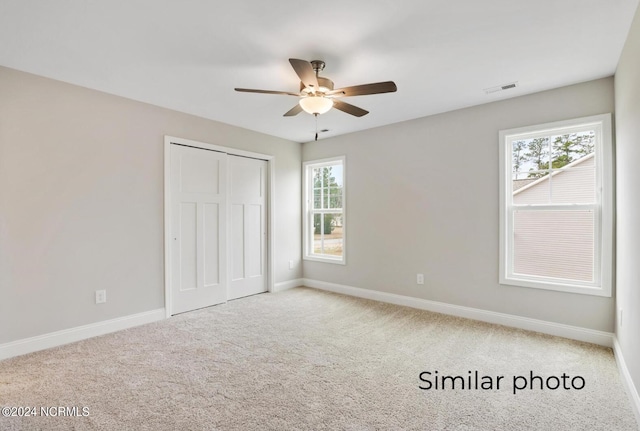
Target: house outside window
{"type": "Point", "coordinates": [324, 221]}
{"type": "Point", "coordinates": [556, 215]}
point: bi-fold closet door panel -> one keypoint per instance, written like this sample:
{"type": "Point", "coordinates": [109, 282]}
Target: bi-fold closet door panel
{"type": "Point", "coordinates": [247, 226]}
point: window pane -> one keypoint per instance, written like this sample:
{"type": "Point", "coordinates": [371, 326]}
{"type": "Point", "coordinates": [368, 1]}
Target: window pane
{"type": "Point", "coordinates": [533, 191]}
{"type": "Point", "coordinates": [317, 178]}
{"type": "Point", "coordinates": [318, 234]}
{"type": "Point", "coordinates": [528, 156]}
{"type": "Point", "coordinates": [570, 147]}
{"type": "Point", "coordinates": [317, 224]}
{"type": "Point", "coordinates": [557, 244]}
{"type": "Point", "coordinates": [574, 185]}
{"type": "Point", "coordinates": [336, 199]}
{"type": "Point", "coordinates": [328, 234]}
{"type": "Point", "coordinates": [317, 200]}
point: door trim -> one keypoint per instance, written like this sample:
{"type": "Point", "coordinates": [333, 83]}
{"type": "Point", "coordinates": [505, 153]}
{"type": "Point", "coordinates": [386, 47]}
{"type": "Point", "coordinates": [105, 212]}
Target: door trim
{"type": "Point", "coordinates": [168, 141]}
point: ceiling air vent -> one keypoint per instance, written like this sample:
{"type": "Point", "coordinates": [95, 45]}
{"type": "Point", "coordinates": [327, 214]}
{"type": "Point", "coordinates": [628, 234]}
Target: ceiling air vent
{"type": "Point", "coordinates": [501, 87]}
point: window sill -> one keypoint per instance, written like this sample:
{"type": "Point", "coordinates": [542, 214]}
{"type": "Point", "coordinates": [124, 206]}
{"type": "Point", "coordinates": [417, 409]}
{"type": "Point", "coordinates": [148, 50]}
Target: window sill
{"type": "Point", "coordinates": [557, 286]}
{"type": "Point", "coordinates": [334, 261]}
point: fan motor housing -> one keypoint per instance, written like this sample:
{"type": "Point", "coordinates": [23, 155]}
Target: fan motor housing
{"type": "Point", "coordinates": [322, 82]}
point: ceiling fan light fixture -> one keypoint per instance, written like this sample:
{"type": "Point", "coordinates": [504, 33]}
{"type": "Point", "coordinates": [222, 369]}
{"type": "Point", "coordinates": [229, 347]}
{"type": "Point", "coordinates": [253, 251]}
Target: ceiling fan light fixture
{"type": "Point", "coordinates": [316, 104]}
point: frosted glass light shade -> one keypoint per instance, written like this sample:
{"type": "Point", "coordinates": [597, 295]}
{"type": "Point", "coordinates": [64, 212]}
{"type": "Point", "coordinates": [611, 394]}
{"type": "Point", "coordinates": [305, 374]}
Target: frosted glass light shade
{"type": "Point", "coordinates": [316, 104]}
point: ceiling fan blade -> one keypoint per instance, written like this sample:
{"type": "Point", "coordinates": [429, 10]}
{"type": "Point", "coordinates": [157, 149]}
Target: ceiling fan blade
{"type": "Point", "coordinates": [251, 90]}
{"type": "Point", "coordinates": [349, 109]}
{"type": "Point", "coordinates": [361, 90]}
{"type": "Point", "coordinates": [293, 111]}
{"type": "Point", "coordinates": [305, 72]}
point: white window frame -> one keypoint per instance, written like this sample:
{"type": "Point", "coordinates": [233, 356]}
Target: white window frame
{"type": "Point", "coordinates": [309, 211]}
{"type": "Point", "coordinates": [603, 209]}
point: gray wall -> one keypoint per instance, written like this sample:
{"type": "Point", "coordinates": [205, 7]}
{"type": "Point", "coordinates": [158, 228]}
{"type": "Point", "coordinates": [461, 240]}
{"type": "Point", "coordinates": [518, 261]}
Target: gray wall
{"type": "Point", "coordinates": [81, 202]}
{"type": "Point", "coordinates": [627, 92]}
{"type": "Point", "coordinates": [422, 197]}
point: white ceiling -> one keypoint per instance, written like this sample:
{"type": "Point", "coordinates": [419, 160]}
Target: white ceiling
{"type": "Point", "coordinates": [188, 55]}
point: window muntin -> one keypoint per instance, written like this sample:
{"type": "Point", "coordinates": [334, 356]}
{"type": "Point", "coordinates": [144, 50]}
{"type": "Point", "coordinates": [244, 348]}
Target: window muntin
{"type": "Point", "coordinates": [324, 229]}
{"type": "Point", "coordinates": [556, 215]}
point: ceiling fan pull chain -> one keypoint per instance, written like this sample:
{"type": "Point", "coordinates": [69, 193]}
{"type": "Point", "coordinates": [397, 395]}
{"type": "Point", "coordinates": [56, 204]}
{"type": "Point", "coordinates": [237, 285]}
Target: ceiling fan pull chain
{"type": "Point", "coordinates": [316, 115]}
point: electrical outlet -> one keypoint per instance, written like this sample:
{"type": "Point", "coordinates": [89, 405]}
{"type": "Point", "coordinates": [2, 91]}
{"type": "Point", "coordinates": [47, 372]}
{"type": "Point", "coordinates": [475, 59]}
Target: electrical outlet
{"type": "Point", "coordinates": [290, 264]}
{"type": "Point", "coordinates": [420, 279]}
{"type": "Point", "coordinates": [101, 296]}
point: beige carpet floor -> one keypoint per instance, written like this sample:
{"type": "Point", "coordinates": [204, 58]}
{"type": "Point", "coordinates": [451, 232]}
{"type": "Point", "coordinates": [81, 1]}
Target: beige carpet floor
{"type": "Point", "coordinates": [310, 360]}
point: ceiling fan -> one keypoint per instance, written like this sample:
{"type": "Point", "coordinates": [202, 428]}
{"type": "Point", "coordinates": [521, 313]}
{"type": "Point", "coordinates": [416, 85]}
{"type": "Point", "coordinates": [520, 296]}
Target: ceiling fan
{"type": "Point", "coordinates": [317, 94]}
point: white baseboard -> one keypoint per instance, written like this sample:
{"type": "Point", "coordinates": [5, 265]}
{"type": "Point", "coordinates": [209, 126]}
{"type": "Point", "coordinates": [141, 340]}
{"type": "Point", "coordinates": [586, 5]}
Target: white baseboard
{"type": "Point", "coordinates": [58, 338]}
{"type": "Point", "coordinates": [630, 387]}
{"type": "Point", "coordinates": [278, 287]}
{"type": "Point", "coordinates": [558, 329]}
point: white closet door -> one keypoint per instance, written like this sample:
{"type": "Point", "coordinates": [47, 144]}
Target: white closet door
{"type": "Point", "coordinates": [247, 224]}
{"type": "Point", "coordinates": [198, 207]}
